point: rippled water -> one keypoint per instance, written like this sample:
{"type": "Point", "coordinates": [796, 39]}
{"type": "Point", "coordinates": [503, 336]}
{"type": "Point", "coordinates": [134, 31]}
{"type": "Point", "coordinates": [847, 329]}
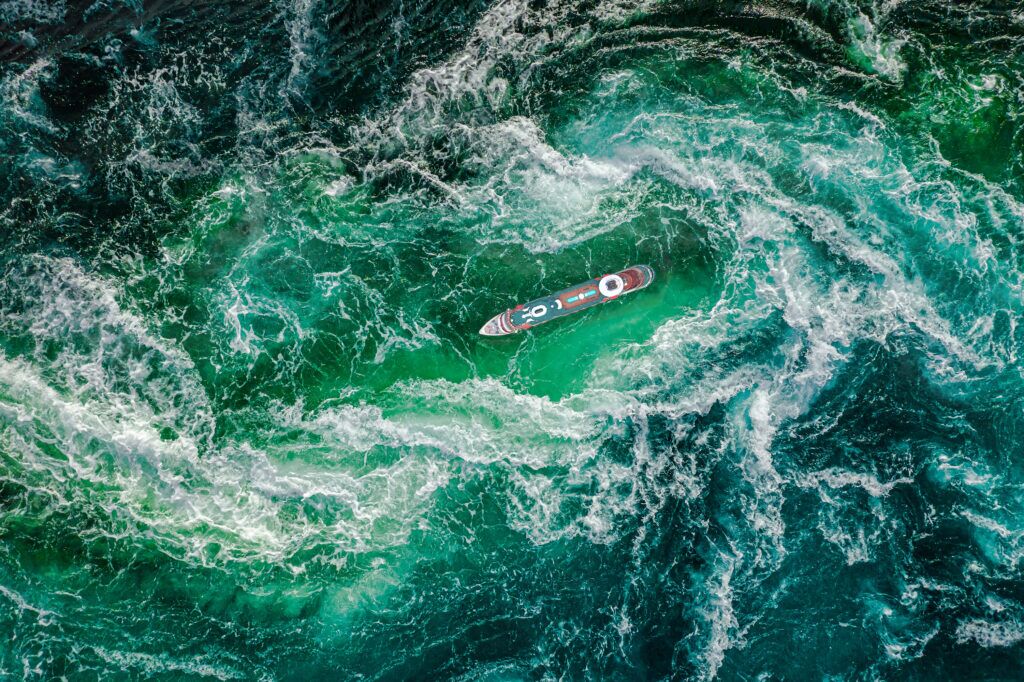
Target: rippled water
{"type": "Point", "coordinates": [248, 429]}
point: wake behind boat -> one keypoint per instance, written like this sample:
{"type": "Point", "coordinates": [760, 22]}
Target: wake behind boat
{"type": "Point", "coordinates": [568, 301]}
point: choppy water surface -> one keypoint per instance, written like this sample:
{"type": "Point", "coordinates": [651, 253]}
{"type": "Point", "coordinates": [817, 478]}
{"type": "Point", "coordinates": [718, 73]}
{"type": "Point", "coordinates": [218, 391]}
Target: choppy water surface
{"type": "Point", "coordinates": [248, 429]}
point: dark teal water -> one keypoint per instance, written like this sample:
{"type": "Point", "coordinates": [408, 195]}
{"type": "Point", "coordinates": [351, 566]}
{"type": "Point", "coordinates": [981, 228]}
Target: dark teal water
{"type": "Point", "coordinates": [248, 429]}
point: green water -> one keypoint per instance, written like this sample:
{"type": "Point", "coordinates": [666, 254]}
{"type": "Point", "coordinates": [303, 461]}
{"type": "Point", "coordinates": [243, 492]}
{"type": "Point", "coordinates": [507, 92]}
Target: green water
{"type": "Point", "coordinates": [248, 429]}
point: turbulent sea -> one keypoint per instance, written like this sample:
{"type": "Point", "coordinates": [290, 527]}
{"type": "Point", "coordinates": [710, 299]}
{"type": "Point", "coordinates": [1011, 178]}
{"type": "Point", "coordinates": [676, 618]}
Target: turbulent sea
{"type": "Point", "coordinates": [249, 430]}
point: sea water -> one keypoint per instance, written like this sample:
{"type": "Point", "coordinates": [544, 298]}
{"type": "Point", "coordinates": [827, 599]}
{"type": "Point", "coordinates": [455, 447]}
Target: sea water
{"type": "Point", "coordinates": [248, 429]}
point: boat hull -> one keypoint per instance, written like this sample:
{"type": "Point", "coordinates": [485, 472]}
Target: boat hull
{"type": "Point", "coordinates": [579, 297]}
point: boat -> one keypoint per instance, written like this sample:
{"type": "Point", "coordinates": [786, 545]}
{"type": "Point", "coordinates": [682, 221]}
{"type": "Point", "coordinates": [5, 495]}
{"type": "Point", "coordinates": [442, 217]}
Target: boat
{"type": "Point", "coordinates": [568, 301]}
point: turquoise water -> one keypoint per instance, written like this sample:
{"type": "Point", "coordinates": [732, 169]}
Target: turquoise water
{"type": "Point", "coordinates": [248, 429]}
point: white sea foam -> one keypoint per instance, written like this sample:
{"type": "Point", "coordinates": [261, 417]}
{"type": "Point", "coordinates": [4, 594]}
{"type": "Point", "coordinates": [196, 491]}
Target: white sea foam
{"type": "Point", "coordinates": [43, 616]}
{"type": "Point", "coordinates": [92, 344]}
{"type": "Point", "coordinates": [106, 402]}
{"type": "Point", "coordinates": [720, 628]}
{"type": "Point", "coordinates": [841, 478]}
{"type": "Point", "coordinates": [470, 421]}
{"type": "Point", "coordinates": [304, 36]}
{"type": "Point", "coordinates": [879, 53]}
{"type": "Point", "coordinates": [232, 498]}
{"type": "Point", "coordinates": [989, 634]}
{"type": "Point", "coordinates": [204, 666]}
{"type": "Point", "coordinates": [39, 11]}
{"type": "Point", "coordinates": [20, 93]}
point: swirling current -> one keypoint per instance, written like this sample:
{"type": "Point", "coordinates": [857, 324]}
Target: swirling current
{"type": "Point", "coordinates": [248, 429]}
